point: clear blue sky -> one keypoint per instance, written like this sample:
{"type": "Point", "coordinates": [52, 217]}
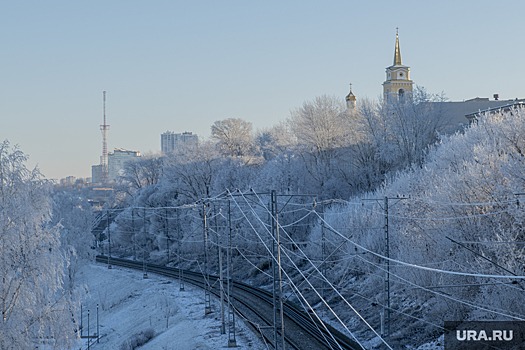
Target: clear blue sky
{"type": "Point", "coordinates": [181, 65]}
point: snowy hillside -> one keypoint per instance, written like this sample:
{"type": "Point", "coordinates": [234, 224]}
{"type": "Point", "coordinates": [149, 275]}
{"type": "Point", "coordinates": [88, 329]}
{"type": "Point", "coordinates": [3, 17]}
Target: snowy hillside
{"type": "Point", "coordinates": [129, 305]}
{"type": "Point", "coordinates": [433, 232]}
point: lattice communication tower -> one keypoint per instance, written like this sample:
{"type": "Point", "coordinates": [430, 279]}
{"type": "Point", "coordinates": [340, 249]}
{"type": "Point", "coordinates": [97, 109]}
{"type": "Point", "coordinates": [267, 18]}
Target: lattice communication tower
{"type": "Point", "coordinates": [104, 129]}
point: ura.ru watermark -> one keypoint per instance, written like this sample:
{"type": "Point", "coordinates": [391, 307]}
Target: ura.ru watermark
{"type": "Point", "coordinates": [495, 335]}
{"type": "Point", "coordinates": [479, 335]}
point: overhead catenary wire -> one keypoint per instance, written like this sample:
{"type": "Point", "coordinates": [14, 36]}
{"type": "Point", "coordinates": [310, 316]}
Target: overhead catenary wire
{"type": "Point", "coordinates": [255, 215]}
{"type": "Point", "coordinates": [468, 303]}
{"type": "Point", "coordinates": [332, 286]}
{"type": "Point", "coordinates": [326, 304]}
{"type": "Point", "coordinates": [416, 265]}
{"type": "Point", "coordinates": [412, 264]}
{"type": "Point", "coordinates": [480, 307]}
{"type": "Point", "coordinates": [428, 289]}
{"type": "Point", "coordinates": [297, 293]}
{"type": "Point", "coordinates": [438, 219]}
{"type": "Point", "coordinates": [288, 277]}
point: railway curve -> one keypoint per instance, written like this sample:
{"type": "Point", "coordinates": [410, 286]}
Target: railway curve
{"type": "Point", "coordinates": [302, 330]}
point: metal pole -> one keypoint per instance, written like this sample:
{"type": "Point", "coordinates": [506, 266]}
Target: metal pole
{"type": "Point", "coordinates": [274, 275]}
{"type": "Point", "coordinates": [133, 233]}
{"type": "Point", "coordinates": [88, 335]}
{"type": "Point", "coordinates": [219, 263]}
{"type": "Point", "coordinates": [109, 239]}
{"type": "Point", "coordinates": [387, 280]}
{"type": "Point", "coordinates": [278, 316]}
{"type": "Point", "coordinates": [386, 306]}
{"type": "Point", "coordinates": [167, 227]}
{"type": "Point", "coordinates": [207, 297]}
{"type": "Point", "coordinates": [81, 321]}
{"type": "Point", "coordinates": [179, 245]}
{"type": "Point", "coordinates": [232, 342]}
{"type": "Point", "coordinates": [144, 270]}
{"type": "Point", "coordinates": [221, 283]}
{"type": "Point", "coordinates": [98, 329]}
{"type": "Point", "coordinates": [323, 254]}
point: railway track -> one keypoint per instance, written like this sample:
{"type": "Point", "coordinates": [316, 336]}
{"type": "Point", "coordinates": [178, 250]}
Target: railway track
{"type": "Point", "coordinates": [302, 330]}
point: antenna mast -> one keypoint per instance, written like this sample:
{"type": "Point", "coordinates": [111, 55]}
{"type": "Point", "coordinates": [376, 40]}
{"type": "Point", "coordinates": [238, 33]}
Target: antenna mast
{"type": "Point", "coordinates": [104, 128]}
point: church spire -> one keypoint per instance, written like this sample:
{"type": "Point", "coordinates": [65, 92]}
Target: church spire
{"type": "Point", "coordinates": [397, 53]}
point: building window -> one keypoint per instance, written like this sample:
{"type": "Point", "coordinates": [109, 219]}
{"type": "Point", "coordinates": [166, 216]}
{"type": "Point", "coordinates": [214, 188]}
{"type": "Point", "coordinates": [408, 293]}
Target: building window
{"type": "Point", "coordinates": [401, 94]}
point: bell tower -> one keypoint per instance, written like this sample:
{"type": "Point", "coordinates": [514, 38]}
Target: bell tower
{"type": "Point", "coordinates": [397, 86]}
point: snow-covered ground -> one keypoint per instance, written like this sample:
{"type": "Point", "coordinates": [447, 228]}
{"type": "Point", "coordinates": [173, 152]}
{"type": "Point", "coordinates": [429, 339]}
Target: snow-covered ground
{"type": "Point", "coordinates": [129, 305]}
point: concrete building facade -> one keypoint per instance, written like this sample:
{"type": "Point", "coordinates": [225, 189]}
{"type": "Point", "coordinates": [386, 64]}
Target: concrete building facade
{"type": "Point", "coordinates": [170, 141]}
{"type": "Point", "coordinates": [117, 159]}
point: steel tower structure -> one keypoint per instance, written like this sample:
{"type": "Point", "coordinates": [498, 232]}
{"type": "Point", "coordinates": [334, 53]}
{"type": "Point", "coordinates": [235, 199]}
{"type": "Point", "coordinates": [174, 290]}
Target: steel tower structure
{"type": "Point", "coordinates": [104, 129]}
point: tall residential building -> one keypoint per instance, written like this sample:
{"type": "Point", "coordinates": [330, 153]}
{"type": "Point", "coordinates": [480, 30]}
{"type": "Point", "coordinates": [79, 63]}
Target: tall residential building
{"type": "Point", "coordinates": [170, 141]}
{"type": "Point", "coordinates": [117, 160]}
{"type": "Point", "coordinates": [97, 174]}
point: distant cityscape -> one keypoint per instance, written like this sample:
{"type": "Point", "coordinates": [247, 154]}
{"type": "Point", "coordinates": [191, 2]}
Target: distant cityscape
{"type": "Point", "coordinates": [397, 87]}
{"type": "Point", "coordinates": [170, 142]}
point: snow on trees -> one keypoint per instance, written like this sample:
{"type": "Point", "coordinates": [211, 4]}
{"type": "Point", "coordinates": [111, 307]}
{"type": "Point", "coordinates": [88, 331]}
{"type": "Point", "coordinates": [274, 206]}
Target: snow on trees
{"type": "Point", "coordinates": [234, 137]}
{"type": "Point", "coordinates": [395, 135]}
{"type": "Point", "coordinates": [322, 130]}
{"type": "Point", "coordinates": [463, 188]}
{"type": "Point", "coordinates": [275, 140]}
{"type": "Point", "coordinates": [35, 307]}
{"type": "Point", "coordinates": [73, 215]}
{"type": "Point", "coordinates": [463, 214]}
{"type": "Point", "coordinates": [192, 172]}
{"type": "Point", "coordinates": [412, 126]}
{"type": "Point", "coordinates": [321, 125]}
{"type": "Point", "coordinates": [140, 173]}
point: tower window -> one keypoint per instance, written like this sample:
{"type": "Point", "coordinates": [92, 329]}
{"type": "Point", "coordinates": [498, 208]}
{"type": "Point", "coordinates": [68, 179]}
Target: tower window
{"type": "Point", "coordinates": [401, 94]}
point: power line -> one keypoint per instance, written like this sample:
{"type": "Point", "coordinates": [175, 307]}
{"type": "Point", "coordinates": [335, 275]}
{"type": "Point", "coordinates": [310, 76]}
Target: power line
{"type": "Point", "coordinates": [416, 265]}
{"type": "Point", "coordinates": [286, 274]}
{"type": "Point", "coordinates": [387, 254]}
{"type": "Point", "coordinates": [483, 308]}
{"type": "Point", "coordinates": [331, 285]}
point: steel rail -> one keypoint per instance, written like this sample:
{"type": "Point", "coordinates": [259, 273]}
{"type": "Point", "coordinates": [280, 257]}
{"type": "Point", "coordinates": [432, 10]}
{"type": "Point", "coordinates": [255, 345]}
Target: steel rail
{"type": "Point", "coordinates": [302, 331]}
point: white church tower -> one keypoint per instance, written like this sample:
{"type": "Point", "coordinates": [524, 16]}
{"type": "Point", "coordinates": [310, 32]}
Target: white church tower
{"type": "Point", "coordinates": [397, 85]}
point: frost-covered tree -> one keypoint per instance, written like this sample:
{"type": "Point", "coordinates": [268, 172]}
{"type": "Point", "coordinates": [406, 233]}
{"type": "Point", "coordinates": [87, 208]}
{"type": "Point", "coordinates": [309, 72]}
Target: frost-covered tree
{"type": "Point", "coordinates": [35, 307]}
{"type": "Point", "coordinates": [322, 129]}
{"type": "Point", "coordinates": [73, 215]}
{"type": "Point", "coordinates": [464, 214]}
{"type": "Point", "coordinates": [191, 172]}
{"type": "Point", "coordinates": [467, 191]}
{"type": "Point", "coordinates": [276, 140]}
{"type": "Point", "coordinates": [393, 136]}
{"type": "Point", "coordinates": [321, 125]}
{"type": "Point", "coordinates": [402, 131]}
{"type": "Point", "coordinates": [234, 137]}
{"type": "Point", "coordinates": [140, 173]}
{"type": "Point", "coordinates": [413, 125]}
